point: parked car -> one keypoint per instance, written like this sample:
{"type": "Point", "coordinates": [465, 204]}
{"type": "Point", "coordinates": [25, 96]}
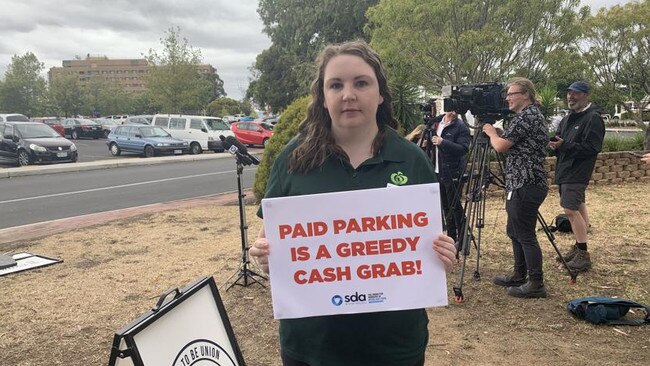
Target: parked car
{"type": "Point", "coordinates": [53, 122]}
{"type": "Point", "coordinates": [230, 119]}
{"type": "Point", "coordinates": [27, 143]}
{"type": "Point", "coordinates": [201, 132]}
{"type": "Point", "coordinates": [271, 120]}
{"type": "Point", "coordinates": [13, 117]}
{"type": "Point", "coordinates": [108, 125]}
{"type": "Point", "coordinates": [80, 127]}
{"type": "Point", "coordinates": [139, 120]}
{"type": "Point", "coordinates": [145, 140]}
{"type": "Point", "coordinates": [252, 133]}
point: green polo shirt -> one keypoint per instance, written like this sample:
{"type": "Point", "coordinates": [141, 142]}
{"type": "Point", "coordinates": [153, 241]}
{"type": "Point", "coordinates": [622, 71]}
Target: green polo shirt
{"type": "Point", "coordinates": [382, 338]}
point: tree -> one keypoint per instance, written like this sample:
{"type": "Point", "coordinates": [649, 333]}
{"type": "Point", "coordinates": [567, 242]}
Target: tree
{"type": "Point", "coordinates": [299, 30]}
{"type": "Point", "coordinates": [223, 107]}
{"type": "Point", "coordinates": [247, 108]}
{"type": "Point", "coordinates": [283, 132]}
{"type": "Point", "coordinates": [2, 95]}
{"type": "Point", "coordinates": [275, 85]}
{"type": "Point", "coordinates": [470, 41]}
{"type": "Point", "coordinates": [106, 97]}
{"type": "Point", "coordinates": [67, 95]}
{"type": "Point", "coordinates": [618, 50]}
{"type": "Point", "coordinates": [174, 83]}
{"type": "Point", "coordinates": [407, 100]}
{"type": "Point", "coordinates": [142, 104]}
{"type": "Point", "coordinates": [216, 86]}
{"type": "Point", "coordinates": [548, 101]}
{"type": "Point", "coordinates": [23, 87]}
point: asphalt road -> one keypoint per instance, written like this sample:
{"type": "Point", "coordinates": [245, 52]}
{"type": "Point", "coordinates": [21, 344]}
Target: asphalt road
{"type": "Point", "coordinates": [31, 199]}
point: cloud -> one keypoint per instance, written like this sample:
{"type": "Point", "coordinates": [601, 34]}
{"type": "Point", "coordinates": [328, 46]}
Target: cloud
{"type": "Point", "coordinates": [228, 33]}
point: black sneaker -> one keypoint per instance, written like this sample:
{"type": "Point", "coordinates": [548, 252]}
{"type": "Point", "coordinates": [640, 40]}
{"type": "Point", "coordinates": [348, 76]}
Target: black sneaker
{"type": "Point", "coordinates": [569, 255]}
{"type": "Point", "coordinates": [581, 261]}
{"type": "Point", "coordinates": [529, 290]}
{"type": "Point", "coordinates": [514, 279]}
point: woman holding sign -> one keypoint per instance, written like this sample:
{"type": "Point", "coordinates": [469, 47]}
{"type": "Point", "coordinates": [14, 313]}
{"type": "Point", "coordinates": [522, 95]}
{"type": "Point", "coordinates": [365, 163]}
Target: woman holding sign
{"type": "Point", "coordinates": [348, 142]}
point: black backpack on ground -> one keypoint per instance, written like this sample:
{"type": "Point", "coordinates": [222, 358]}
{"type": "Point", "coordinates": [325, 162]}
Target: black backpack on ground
{"type": "Point", "coordinates": [561, 224]}
{"type": "Point", "coordinates": [607, 310]}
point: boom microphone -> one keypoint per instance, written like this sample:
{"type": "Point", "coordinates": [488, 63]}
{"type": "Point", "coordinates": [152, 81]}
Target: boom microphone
{"type": "Point", "coordinates": [233, 150]}
{"type": "Point", "coordinates": [242, 149]}
{"type": "Point", "coordinates": [226, 145]}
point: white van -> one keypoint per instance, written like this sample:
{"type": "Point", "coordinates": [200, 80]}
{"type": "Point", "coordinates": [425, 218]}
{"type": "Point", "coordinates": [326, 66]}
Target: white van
{"type": "Point", "coordinates": [201, 132]}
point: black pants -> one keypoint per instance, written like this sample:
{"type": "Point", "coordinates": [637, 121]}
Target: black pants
{"type": "Point", "coordinates": [522, 206]}
{"type": "Point", "coordinates": [451, 207]}
{"type": "Point", "coordinates": [287, 361]}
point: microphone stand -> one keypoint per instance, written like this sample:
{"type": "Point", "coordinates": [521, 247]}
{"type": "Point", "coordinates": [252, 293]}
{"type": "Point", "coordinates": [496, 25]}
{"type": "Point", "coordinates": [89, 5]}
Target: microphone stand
{"type": "Point", "coordinates": [245, 276]}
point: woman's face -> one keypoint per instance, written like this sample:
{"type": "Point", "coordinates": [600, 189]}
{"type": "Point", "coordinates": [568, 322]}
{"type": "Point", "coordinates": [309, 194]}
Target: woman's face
{"type": "Point", "coordinates": [351, 93]}
{"type": "Point", "coordinates": [517, 98]}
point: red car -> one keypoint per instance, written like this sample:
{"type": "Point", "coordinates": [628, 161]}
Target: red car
{"type": "Point", "coordinates": [252, 133]}
{"type": "Point", "coordinates": [52, 122]}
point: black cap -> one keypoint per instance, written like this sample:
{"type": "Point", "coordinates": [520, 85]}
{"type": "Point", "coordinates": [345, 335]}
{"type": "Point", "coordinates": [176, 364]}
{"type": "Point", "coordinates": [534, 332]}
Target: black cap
{"type": "Point", "coordinates": [579, 86]}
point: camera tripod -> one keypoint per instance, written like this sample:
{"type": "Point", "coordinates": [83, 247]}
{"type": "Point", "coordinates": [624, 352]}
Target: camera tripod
{"type": "Point", "coordinates": [425, 141]}
{"type": "Point", "coordinates": [245, 276]}
{"type": "Point", "coordinates": [478, 178]}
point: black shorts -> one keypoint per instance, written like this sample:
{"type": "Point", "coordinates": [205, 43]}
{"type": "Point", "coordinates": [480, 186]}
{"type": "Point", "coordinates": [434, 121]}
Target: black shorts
{"type": "Point", "coordinates": [572, 195]}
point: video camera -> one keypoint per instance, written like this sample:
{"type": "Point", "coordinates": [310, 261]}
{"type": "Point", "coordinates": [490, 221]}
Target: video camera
{"type": "Point", "coordinates": [485, 101]}
{"type": "Point", "coordinates": [429, 110]}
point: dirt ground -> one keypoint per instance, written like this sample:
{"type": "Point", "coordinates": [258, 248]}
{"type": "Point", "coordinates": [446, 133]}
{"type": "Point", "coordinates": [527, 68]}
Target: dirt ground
{"type": "Point", "coordinates": [67, 314]}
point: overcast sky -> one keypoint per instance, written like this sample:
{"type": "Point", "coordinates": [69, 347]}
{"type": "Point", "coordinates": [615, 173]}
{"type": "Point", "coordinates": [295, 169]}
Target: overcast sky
{"type": "Point", "coordinates": [228, 32]}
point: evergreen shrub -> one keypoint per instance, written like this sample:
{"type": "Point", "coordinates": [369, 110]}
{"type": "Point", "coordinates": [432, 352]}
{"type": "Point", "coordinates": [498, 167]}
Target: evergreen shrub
{"type": "Point", "coordinates": [283, 132]}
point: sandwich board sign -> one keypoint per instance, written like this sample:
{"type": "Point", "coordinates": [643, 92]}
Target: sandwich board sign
{"type": "Point", "coordinates": [190, 330]}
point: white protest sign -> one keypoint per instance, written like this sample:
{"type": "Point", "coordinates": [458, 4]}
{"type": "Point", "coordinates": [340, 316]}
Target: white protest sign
{"type": "Point", "coordinates": [355, 251]}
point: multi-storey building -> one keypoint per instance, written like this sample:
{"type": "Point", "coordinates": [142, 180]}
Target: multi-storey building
{"type": "Point", "coordinates": [128, 72]}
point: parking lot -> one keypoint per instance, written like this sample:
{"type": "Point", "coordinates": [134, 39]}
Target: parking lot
{"type": "Point", "coordinates": [96, 150]}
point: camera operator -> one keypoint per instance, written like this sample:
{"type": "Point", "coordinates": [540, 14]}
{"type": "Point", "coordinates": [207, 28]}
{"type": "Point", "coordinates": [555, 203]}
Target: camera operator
{"type": "Point", "coordinates": [524, 142]}
{"type": "Point", "coordinates": [452, 141]}
{"type": "Point", "coordinates": [577, 142]}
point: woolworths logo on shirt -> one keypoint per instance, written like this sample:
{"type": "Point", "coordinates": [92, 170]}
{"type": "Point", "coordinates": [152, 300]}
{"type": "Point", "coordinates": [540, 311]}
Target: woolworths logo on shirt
{"type": "Point", "coordinates": [398, 179]}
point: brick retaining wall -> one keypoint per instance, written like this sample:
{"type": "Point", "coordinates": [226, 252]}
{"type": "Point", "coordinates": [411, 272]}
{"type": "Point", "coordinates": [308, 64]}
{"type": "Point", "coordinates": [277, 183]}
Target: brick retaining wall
{"type": "Point", "coordinates": [611, 168]}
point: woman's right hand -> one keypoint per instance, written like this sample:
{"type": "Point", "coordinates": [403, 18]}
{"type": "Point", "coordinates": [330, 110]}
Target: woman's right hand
{"type": "Point", "coordinates": [260, 252]}
{"type": "Point", "coordinates": [646, 158]}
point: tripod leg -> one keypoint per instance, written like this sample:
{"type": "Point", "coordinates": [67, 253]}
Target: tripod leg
{"type": "Point", "coordinates": [551, 239]}
{"type": "Point", "coordinates": [479, 177]}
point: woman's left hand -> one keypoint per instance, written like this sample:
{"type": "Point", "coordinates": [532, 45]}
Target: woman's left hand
{"type": "Point", "coordinates": [445, 249]}
{"type": "Point", "coordinates": [489, 130]}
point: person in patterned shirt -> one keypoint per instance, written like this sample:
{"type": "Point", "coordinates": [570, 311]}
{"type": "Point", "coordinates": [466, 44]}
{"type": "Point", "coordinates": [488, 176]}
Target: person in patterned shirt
{"type": "Point", "coordinates": [524, 142]}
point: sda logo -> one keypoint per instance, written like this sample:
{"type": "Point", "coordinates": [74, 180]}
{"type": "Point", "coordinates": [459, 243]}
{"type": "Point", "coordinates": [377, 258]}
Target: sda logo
{"type": "Point", "coordinates": [355, 297]}
{"type": "Point", "coordinates": [337, 300]}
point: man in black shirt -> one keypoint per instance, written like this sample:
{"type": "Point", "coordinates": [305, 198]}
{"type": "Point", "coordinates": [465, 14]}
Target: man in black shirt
{"type": "Point", "coordinates": [577, 142]}
{"type": "Point", "coordinates": [524, 141]}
